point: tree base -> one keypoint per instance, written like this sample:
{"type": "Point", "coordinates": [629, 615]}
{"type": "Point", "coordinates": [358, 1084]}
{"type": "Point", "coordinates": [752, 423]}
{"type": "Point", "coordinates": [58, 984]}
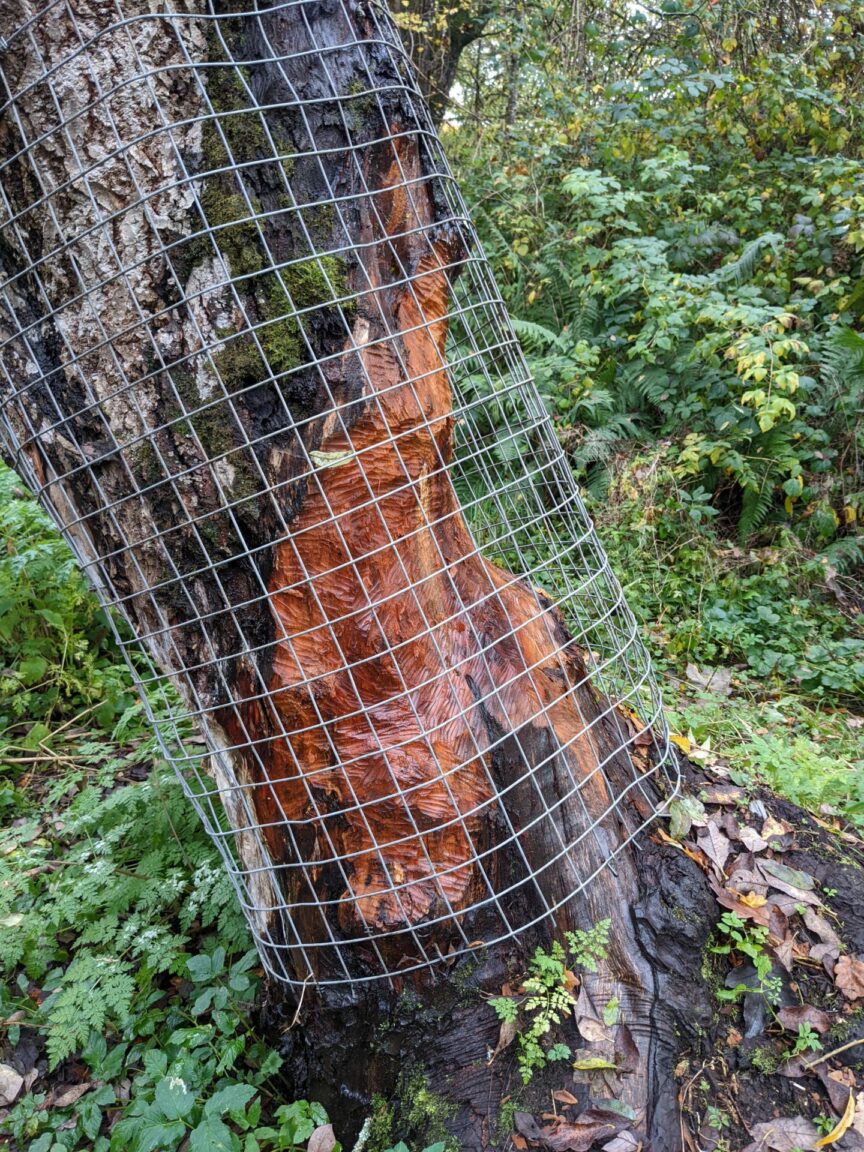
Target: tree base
{"type": "Point", "coordinates": [416, 1063]}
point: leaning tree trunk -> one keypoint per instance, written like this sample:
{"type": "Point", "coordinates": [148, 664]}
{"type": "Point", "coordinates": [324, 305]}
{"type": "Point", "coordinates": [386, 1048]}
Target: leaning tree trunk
{"type": "Point", "coordinates": [248, 446]}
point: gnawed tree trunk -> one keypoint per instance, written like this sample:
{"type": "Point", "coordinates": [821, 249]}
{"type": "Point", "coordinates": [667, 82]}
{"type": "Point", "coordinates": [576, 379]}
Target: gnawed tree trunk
{"type": "Point", "coordinates": [165, 400]}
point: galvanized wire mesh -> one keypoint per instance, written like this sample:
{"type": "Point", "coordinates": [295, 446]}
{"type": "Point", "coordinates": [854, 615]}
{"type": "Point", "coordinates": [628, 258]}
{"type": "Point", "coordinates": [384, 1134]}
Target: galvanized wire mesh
{"type": "Point", "coordinates": [256, 366]}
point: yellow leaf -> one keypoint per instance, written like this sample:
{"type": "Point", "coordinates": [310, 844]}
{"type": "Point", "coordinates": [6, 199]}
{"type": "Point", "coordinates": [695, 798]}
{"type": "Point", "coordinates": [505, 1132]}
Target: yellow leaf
{"type": "Point", "coordinates": [753, 900]}
{"type": "Point", "coordinates": [682, 742]}
{"type": "Point", "coordinates": [843, 1125]}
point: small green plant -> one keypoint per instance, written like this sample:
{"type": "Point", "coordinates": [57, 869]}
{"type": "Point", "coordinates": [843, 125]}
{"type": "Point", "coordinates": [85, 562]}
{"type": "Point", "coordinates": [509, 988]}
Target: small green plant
{"type": "Point", "coordinates": [766, 1059]}
{"type": "Point", "coordinates": [717, 1118]}
{"type": "Point", "coordinates": [825, 1123]}
{"type": "Point", "coordinates": [807, 1040]}
{"type": "Point", "coordinates": [548, 997]}
{"type": "Point", "coordinates": [736, 936]}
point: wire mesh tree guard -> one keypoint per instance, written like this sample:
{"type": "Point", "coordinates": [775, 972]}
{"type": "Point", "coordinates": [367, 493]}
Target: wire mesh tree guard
{"type": "Point", "coordinates": [256, 367]}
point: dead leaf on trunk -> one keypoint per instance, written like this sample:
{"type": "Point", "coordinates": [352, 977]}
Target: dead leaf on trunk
{"type": "Point", "coordinates": [506, 1036]}
{"type": "Point", "coordinates": [595, 1064]}
{"type": "Point", "coordinates": [588, 1019]}
{"type": "Point", "coordinates": [591, 1126]}
{"type": "Point", "coordinates": [592, 1030]}
{"type": "Point", "coordinates": [626, 1052]}
{"type": "Point", "coordinates": [564, 1097]}
{"type": "Point", "coordinates": [784, 1135]}
{"type": "Point", "coordinates": [849, 977]}
{"type": "Point", "coordinates": [798, 1014]}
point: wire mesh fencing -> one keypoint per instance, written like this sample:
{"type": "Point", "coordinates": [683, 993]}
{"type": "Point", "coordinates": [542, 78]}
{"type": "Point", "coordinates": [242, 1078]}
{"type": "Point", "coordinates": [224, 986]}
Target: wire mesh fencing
{"type": "Point", "coordinates": [257, 368]}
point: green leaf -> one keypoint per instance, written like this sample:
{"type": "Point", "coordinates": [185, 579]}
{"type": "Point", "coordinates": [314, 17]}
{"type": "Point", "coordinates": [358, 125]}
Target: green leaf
{"type": "Point", "coordinates": [594, 1064]}
{"type": "Point", "coordinates": [234, 1098]}
{"type": "Point", "coordinates": [211, 1135]}
{"type": "Point", "coordinates": [158, 1137]}
{"type": "Point", "coordinates": [610, 1012]}
{"type": "Point", "coordinates": [174, 1098]}
{"type": "Point", "coordinates": [33, 669]}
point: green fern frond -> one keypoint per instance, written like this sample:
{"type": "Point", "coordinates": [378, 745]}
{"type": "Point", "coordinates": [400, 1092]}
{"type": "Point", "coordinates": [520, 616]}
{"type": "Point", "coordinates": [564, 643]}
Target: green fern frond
{"type": "Point", "coordinates": [845, 554]}
{"type": "Point", "coordinates": [741, 270]}
{"type": "Point", "coordinates": [535, 338]}
{"type": "Point", "coordinates": [756, 504]}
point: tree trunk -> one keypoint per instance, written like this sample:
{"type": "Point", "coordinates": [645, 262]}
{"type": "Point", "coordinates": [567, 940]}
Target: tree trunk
{"type": "Point", "coordinates": [248, 445]}
{"type": "Point", "coordinates": [435, 35]}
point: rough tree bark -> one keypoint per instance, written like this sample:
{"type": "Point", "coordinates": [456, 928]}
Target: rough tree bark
{"type": "Point", "coordinates": [111, 388]}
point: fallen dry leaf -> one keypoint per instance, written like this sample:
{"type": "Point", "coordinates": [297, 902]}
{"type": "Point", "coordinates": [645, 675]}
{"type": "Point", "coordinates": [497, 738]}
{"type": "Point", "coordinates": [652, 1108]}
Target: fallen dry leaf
{"type": "Point", "coordinates": [323, 1139]}
{"type": "Point", "coordinates": [723, 794]}
{"type": "Point", "coordinates": [11, 1083]}
{"type": "Point", "coordinates": [746, 879]}
{"type": "Point", "coordinates": [753, 899]}
{"type": "Point", "coordinates": [799, 1014]}
{"type": "Point", "coordinates": [685, 812]}
{"type": "Point", "coordinates": [751, 839]}
{"type": "Point", "coordinates": [837, 1084]}
{"type": "Point", "coordinates": [716, 680]}
{"type": "Point", "coordinates": [821, 927]}
{"type": "Point", "coordinates": [714, 844]}
{"type": "Point", "coordinates": [623, 1142]}
{"type": "Point", "coordinates": [62, 1098]}
{"type": "Point", "coordinates": [784, 1135]}
{"type": "Point", "coordinates": [842, 1127]}
{"type": "Point", "coordinates": [849, 977]}
{"type": "Point", "coordinates": [794, 877]}
{"type": "Point", "coordinates": [780, 884]}
{"type": "Point", "coordinates": [776, 829]}
{"type": "Point", "coordinates": [681, 742]}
